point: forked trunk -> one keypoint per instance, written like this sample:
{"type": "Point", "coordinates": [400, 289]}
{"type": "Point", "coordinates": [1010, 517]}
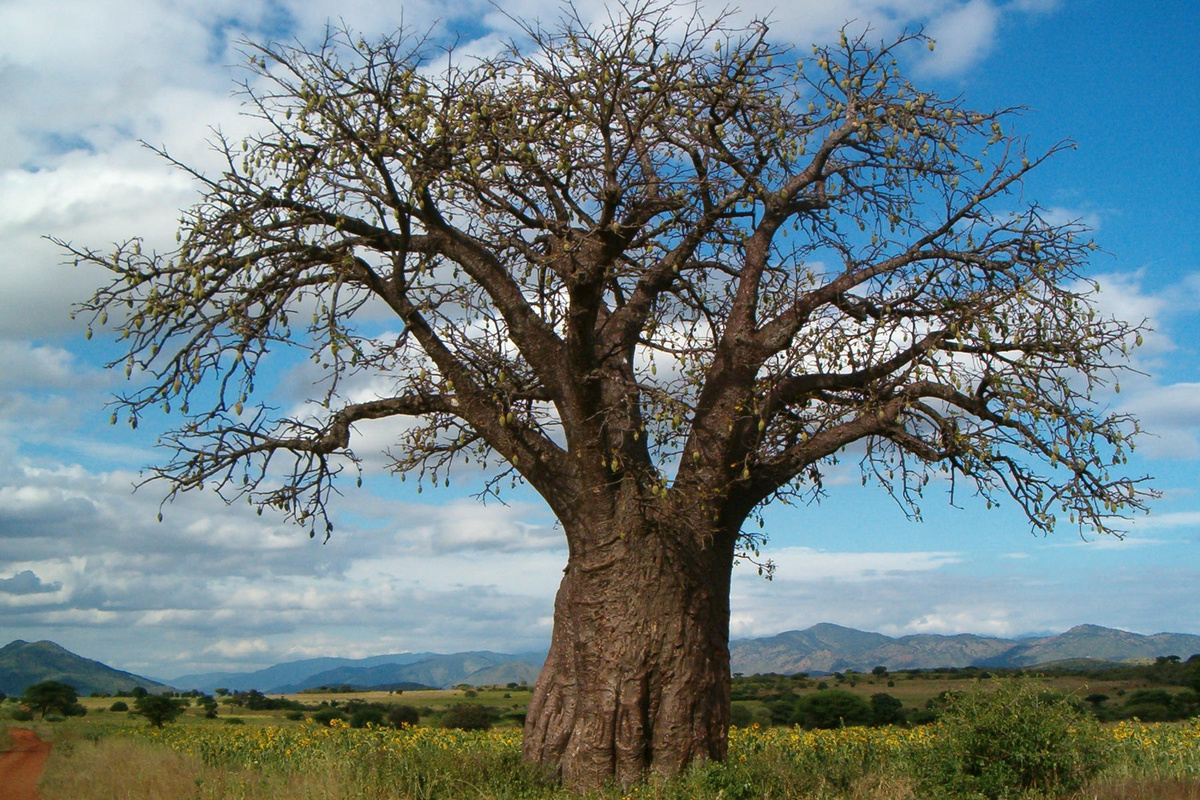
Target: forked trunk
{"type": "Point", "coordinates": [637, 679]}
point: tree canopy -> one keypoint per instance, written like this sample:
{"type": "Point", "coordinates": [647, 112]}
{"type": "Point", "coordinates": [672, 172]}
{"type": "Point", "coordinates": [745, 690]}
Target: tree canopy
{"type": "Point", "coordinates": [50, 696]}
{"type": "Point", "coordinates": [158, 709]}
{"type": "Point", "coordinates": [661, 269]}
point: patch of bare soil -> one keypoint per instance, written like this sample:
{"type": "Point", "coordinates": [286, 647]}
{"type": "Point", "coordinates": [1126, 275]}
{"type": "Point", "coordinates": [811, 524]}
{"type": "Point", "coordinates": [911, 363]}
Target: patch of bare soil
{"type": "Point", "coordinates": [21, 765]}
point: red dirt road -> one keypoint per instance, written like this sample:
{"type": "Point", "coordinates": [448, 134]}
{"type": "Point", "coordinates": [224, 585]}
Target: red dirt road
{"type": "Point", "coordinates": [21, 765]}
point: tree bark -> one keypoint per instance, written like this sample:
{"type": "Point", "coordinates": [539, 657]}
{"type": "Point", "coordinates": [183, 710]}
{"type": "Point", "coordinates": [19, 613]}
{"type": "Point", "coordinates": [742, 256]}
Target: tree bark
{"type": "Point", "coordinates": [637, 678]}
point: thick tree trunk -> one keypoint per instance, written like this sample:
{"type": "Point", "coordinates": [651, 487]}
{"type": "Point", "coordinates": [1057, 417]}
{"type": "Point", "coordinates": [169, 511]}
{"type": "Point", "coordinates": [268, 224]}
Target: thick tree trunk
{"type": "Point", "coordinates": [637, 679]}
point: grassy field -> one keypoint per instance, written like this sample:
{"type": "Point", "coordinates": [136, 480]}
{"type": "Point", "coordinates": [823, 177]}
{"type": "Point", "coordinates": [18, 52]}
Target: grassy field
{"type": "Point", "coordinates": [307, 762]}
{"type": "Point", "coordinates": [914, 690]}
{"type": "Point", "coordinates": [432, 702]}
{"type": "Point", "coordinates": [269, 757]}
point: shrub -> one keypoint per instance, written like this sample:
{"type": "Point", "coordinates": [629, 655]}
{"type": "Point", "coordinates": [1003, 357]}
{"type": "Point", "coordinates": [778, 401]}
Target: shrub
{"type": "Point", "coordinates": [399, 716]}
{"type": "Point", "coordinates": [1005, 738]}
{"type": "Point", "coordinates": [833, 708]}
{"type": "Point", "coordinates": [120, 705]}
{"type": "Point", "coordinates": [22, 715]}
{"type": "Point", "coordinates": [323, 716]}
{"type": "Point", "coordinates": [295, 716]}
{"type": "Point", "coordinates": [886, 710]}
{"type": "Point", "coordinates": [367, 716]}
{"type": "Point", "coordinates": [468, 717]}
{"type": "Point", "coordinates": [781, 711]}
{"type": "Point", "coordinates": [740, 716]}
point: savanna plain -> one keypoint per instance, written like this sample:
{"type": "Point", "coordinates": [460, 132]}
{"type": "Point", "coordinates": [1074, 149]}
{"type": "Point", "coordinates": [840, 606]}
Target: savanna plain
{"type": "Point", "coordinates": [1015, 737]}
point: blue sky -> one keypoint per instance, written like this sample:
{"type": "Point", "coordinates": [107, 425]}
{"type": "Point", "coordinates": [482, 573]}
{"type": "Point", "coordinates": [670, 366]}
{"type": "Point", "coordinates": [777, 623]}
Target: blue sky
{"type": "Point", "coordinates": [84, 563]}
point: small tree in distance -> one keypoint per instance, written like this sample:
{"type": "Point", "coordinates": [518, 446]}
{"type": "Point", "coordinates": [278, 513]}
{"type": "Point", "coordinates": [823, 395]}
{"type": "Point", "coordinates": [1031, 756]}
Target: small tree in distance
{"type": "Point", "coordinates": [660, 271]}
{"type": "Point", "coordinates": [47, 696]}
{"type": "Point", "coordinates": [158, 709]}
{"type": "Point", "coordinates": [210, 705]}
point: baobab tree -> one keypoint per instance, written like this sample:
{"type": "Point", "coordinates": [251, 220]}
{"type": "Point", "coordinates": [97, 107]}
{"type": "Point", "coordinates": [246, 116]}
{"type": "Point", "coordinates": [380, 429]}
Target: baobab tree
{"type": "Point", "coordinates": [661, 270]}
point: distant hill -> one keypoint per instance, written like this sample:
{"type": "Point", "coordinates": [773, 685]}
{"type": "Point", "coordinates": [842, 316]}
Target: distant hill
{"type": "Point", "coordinates": [288, 673]}
{"type": "Point", "coordinates": [1093, 641]}
{"type": "Point", "coordinates": [827, 648]}
{"type": "Point", "coordinates": [502, 674]}
{"type": "Point", "coordinates": [479, 668]}
{"type": "Point", "coordinates": [434, 671]}
{"type": "Point", "coordinates": [23, 664]}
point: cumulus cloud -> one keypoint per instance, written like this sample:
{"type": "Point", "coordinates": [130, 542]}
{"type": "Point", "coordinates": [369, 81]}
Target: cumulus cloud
{"type": "Point", "coordinates": [1171, 415]}
{"type": "Point", "coordinates": [27, 364]}
{"type": "Point", "coordinates": [468, 525]}
{"type": "Point", "coordinates": [27, 582]}
{"type": "Point", "coordinates": [459, 575]}
{"type": "Point", "coordinates": [1169, 411]}
{"type": "Point", "coordinates": [964, 35]}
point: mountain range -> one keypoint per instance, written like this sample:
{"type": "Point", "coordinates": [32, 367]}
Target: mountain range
{"type": "Point", "coordinates": [478, 668]}
{"type": "Point", "coordinates": [821, 649]}
{"type": "Point", "coordinates": [827, 648]}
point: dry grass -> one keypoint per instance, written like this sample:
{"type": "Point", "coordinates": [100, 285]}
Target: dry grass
{"type": "Point", "coordinates": [125, 769]}
{"type": "Point", "coordinates": [121, 768]}
{"type": "Point", "coordinates": [882, 787]}
{"type": "Point", "coordinates": [118, 769]}
{"type": "Point", "coordinates": [1141, 789]}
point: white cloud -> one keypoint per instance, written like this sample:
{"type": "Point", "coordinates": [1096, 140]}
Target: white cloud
{"type": "Point", "coordinates": [1061, 215]}
{"type": "Point", "coordinates": [1171, 416]}
{"type": "Point", "coordinates": [25, 364]}
{"type": "Point", "coordinates": [457, 576]}
{"type": "Point", "coordinates": [1124, 297]}
{"type": "Point", "coordinates": [238, 649]}
{"type": "Point", "coordinates": [91, 200]}
{"type": "Point", "coordinates": [1169, 412]}
{"type": "Point", "coordinates": [964, 34]}
{"type": "Point", "coordinates": [804, 564]}
{"type": "Point", "coordinates": [1168, 520]}
{"type": "Point", "coordinates": [26, 582]}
